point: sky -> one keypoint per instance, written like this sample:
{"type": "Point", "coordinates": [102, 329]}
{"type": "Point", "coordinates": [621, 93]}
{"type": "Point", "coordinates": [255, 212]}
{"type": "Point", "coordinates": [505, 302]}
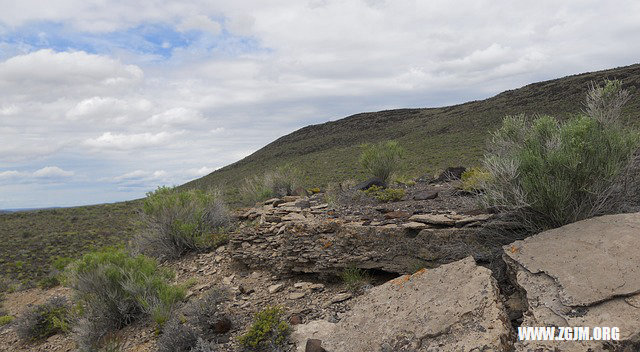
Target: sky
{"type": "Point", "coordinates": [104, 100]}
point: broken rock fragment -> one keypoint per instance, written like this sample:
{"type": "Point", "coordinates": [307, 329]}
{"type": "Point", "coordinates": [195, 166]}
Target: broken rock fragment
{"type": "Point", "coordinates": [455, 307]}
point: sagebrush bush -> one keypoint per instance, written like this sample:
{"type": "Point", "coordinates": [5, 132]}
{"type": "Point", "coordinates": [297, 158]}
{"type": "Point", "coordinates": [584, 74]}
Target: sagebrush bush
{"type": "Point", "coordinates": [604, 103]}
{"type": "Point", "coordinates": [255, 190]}
{"type": "Point", "coordinates": [177, 337]}
{"type": "Point", "coordinates": [178, 222]}
{"type": "Point", "coordinates": [385, 195]}
{"type": "Point", "coordinates": [280, 182]}
{"type": "Point", "coordinates": [115, 289]}
{"type": "Point", "coordinates": [205, 313]}
{"type": "Point", "coordinates": [382, 159]}
{"type": "Point", "coordinates": [202, 346]}
{"type": "Point", "coordinates": [198, 320]}
{"type": "Point", "coordinates": [553, 173]}
{"type": "Point", "coordinates": [44, 320]}
{"type": "Point", "coordinates": [269, 331]}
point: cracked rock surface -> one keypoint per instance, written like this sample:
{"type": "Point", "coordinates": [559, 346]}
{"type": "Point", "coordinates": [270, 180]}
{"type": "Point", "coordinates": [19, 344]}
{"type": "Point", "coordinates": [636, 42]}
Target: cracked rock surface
{"type": "Point", "coordinates": [582, 274]}
{"type": "Point", "coordinates": [455, 307]}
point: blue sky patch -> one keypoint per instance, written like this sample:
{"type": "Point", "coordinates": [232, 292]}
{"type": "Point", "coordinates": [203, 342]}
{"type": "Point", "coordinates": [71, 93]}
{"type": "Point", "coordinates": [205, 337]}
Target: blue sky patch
{"type": "Point", "coordinates": [148, 39]}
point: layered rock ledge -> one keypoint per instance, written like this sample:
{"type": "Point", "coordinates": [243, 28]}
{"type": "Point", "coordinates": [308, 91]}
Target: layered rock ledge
{"type": "Point", "coordinates": [302, 235]}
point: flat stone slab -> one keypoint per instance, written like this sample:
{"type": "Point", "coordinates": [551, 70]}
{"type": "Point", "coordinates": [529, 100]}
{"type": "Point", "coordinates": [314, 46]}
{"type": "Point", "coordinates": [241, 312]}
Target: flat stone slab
{"type": "Point", "coordinates": [433, 219]}
{"type": "Point", "coordinates": [582, 274]}
{"type": "Point", "coordinates": [592, 260]}
{"type": "Point", "coordinates": [455, 307]}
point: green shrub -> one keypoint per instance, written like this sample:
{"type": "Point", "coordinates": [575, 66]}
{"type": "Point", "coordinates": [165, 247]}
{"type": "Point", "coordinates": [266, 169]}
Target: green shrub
{"type": "Point", "coordinates": [44, 320]}
{"type": "Point", "coordinates": [178, 222]}
{"type": "Point", "coordinates": [116, 289]}
{"type": "Point", "coordinates": [354, 278]}
{"type": "Point", "coordinates": [49, 281]}
{"type": "Point", "coordinates": [604, 103]}
{"type": "Point", "coordinates": [552, 173]}
{"type": "Point", "coordinates": [268, 332]}
{"type": "Point", "coordinates": [60, 263]}
{"type": "Point", "coordinates": [474, 179]}
{"type": "Point", "coordinates": [385, 195]}
{"type": "Point", "coordinates": [54, 278]}
{"type": "Point", "coordinates": [279, 182]}
{"type": "Point", "coordinates": [381, 159]}
{"type": "Point", "coordinates": [6, 319]}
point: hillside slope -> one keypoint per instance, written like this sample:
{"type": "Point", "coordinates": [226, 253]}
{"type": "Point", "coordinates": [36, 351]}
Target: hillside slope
{"type": "Point", "coordinates": [433, 137]}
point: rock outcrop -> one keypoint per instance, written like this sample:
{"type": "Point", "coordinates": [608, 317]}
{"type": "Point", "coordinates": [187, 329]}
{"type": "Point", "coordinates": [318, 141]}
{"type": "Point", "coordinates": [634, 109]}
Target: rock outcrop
{"type": "Point", "coordinates": [585, 274]}
{"type": "Point", "coordinates": [455, 307]}
{"type": "Point", "coordinates": [300, 235]}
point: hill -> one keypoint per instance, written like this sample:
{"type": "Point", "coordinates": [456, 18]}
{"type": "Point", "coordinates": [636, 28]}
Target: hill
{"type": "Point", "coordinates": [433, 137]}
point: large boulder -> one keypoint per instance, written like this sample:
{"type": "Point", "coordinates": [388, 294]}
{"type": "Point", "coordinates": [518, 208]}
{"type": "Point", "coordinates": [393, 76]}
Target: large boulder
{"type": "Point", "coordinates": [584, 274]}
{"type": "Point", "coordinates": [455, 307]}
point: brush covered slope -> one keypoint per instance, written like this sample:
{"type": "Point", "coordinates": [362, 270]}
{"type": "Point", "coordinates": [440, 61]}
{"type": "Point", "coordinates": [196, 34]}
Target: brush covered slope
{"type": "Point", "coordinates": [433, 138]}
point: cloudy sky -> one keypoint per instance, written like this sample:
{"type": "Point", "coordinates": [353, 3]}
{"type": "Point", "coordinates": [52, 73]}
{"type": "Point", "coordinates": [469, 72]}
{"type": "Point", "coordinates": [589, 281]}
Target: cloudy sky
{"type": "Point", "coordinates": [103, 100]}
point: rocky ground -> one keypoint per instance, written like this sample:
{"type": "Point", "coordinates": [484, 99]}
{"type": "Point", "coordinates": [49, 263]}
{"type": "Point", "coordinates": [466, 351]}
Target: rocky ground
{"type": "Point", "coordinates": [435, 284]}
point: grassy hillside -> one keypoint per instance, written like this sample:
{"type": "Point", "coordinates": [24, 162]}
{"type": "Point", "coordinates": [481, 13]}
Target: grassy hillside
{"type": "Point", "coordinates": [434, 138]}
{"type": "Point", "coordinates": [31, 239]}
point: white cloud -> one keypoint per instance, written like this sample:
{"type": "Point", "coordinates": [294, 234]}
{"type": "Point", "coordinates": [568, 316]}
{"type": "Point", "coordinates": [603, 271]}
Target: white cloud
{"type": "Point", "coordinates": [142, 175]}
{"type": "Point", "coordinates": [201, 23]}
{"type": "Point", "coordinates": [4, 175]}
{"type": "Point", "coordinates": [9, 110]}
{"type": "Point", "coordinates": [46, 174]}
{"type": "Point", "coordinates": [110, 140]}
{"type": "Point", "coordinates": [176, 116]}
{"type": "Point", "coordinates": [197, 172]}
{"type": "Point", "coordinates": [52, 172]}
{"type": "Point", "coordinates": [50, 69]}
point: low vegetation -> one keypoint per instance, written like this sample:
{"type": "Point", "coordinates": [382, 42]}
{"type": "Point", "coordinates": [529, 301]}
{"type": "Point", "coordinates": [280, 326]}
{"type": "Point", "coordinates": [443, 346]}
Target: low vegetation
{"type": "Point", "coordinates": [475, 179]}
{"type": "Point", "coordinates": [178, 222]}
{"type": "Point", "coordinates": [115, 289]}
{"type": "Point", "coordinates": [269, 331]}
{"type": "Point", "coordinates": [553, 172]}
{"type": "Point", "coordinates": [385, 195]}
{"type": "Point", "coordinates": [44, 320]}
{"type": "Point", "coordinates": [381, 160]}
{"type": "Point", "coordinates": [6, 319]}
{"type": "Point", "coordinates": [355, 278]}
